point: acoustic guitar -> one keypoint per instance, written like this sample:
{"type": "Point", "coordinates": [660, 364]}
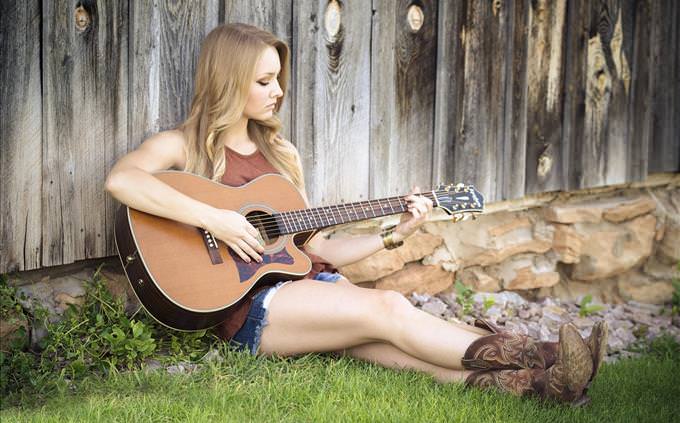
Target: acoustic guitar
{"type": "Point", "coordinates": [187, 279]}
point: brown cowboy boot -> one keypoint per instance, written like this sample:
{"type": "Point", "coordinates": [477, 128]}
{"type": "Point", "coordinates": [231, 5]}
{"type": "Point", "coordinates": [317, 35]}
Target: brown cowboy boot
{"type": "Point", "coordinates": [501, 349]}
{"type": "Point", "coordinates": [507, 350]}
{"type": "Point", "coordinates": [564, 381]}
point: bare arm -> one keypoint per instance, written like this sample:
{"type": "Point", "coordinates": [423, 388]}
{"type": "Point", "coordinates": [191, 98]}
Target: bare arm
{"type": "Point", "coordinates": [131, 182]}
{"type": "Point", "coordinates": [347, 250]}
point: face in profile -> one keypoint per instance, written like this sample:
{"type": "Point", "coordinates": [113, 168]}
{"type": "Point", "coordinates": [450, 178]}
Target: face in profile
{"type": "Point", "coordinates": [264, 88]}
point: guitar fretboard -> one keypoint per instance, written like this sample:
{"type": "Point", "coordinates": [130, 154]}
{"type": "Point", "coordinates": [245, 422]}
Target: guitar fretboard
{"type": "Point", "coordinates": [322, 217]}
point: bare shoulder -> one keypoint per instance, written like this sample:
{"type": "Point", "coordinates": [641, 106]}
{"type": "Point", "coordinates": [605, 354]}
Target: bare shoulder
{"type": "Point", "coordinates": [161, 151]}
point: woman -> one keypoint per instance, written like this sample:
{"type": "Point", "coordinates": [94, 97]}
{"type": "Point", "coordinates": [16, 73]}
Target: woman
{"type": "Point", "coordinates": [232, 136]}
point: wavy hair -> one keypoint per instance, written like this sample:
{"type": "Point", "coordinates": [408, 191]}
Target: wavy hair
{"type": "Point", "coordinates": [226, 68]}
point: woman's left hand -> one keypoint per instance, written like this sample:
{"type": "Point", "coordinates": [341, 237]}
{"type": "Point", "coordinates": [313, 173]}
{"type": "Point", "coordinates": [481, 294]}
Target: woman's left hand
{"type": "Point", "coordinates": [419, 208]}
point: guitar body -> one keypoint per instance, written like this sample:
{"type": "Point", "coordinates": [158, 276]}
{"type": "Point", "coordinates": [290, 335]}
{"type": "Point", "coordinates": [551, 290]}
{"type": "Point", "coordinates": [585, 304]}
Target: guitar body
{"type": "Point", "coordinates": [180, 279]}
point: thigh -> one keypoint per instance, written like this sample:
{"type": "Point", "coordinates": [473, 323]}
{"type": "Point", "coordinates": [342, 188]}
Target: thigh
{"type": "Point", "coordinates": [312, 316]}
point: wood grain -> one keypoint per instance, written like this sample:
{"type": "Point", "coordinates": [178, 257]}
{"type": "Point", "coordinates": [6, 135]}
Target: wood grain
{"type": "Point", "coordinates": [403, 77]}
{"type": "Point", "coordinates": [20, 136]}
{"type": "Point", "coordinates": [85, 124]}
{"type": "Point", "coordinates": [332, 98]}
{"type": "Point", "coordinates": [478, 142]}
{"type": "Point", "coordinates": [515, 97]}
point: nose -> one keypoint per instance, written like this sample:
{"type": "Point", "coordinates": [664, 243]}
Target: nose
{"type": "Point", "coordinates": [277, 91]}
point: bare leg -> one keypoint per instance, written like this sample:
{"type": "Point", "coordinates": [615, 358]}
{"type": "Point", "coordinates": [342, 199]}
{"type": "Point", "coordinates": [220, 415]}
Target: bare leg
{"type": "Point", "coordinates": [312, 316]}
{"type": "Point", "coordinates": [389, 356]}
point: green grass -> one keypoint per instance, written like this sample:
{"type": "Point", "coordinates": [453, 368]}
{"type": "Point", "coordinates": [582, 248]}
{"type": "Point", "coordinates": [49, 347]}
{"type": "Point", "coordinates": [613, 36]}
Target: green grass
{"type": "Point", "coordinates": [320, 388]}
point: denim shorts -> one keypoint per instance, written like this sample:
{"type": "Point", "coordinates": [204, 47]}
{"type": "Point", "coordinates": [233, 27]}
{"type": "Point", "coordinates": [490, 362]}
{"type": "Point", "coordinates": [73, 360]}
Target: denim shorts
{"type": "Point", "coordinates": [248, 337]}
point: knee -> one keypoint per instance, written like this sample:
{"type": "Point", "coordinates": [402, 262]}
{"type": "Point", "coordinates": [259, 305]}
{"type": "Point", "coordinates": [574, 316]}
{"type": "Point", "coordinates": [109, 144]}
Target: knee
{"type": "Point", "coordinates": [393, 305]}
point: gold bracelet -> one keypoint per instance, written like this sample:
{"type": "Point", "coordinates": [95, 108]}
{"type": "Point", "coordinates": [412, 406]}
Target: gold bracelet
{"type": "Point", "coordinates": [388, 240]}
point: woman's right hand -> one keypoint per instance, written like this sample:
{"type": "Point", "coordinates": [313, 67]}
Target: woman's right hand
{"type": "Point", "coordinates": [235, 230]}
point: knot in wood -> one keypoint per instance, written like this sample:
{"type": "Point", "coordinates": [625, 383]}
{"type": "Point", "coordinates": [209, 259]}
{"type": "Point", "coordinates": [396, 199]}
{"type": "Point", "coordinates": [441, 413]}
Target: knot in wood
{"type": "Point", "coordinates": [332, 20]}
{"type": "Point", "coordinates": [415, 17]}
{"type": "Point", "coordinates": [497, 4]}
{"type": "Point", "coordinates": [545, 162]}
{"type": "Point", "coordinates": [82, 19]}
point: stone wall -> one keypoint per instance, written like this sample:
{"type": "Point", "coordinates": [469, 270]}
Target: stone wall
{"type": "Point", "coordinates": [615, 244]}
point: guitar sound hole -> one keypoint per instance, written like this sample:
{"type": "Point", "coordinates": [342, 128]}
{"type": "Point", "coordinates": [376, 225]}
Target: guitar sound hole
{"type": "Point", "coordinates": [265, 225]}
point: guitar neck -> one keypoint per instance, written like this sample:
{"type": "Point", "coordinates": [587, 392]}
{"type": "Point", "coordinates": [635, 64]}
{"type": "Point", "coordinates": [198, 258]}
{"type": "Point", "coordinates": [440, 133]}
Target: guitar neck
{"type": "Point", "coordinates": [322, 217]}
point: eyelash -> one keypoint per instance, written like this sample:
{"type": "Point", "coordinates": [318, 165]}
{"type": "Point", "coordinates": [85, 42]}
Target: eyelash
{"type": "Point", "coordinates": [264, 84]}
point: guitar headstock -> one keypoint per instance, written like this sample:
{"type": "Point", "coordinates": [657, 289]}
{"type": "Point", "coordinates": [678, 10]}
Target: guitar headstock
{"type": "Point", "coordinates": [459, 199]}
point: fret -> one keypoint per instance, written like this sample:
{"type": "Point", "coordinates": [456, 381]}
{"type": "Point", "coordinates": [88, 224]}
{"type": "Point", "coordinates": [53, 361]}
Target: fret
{"type": "Point", "coordinates": [281, 223]}
{"type": "Point", "coordinates": [347, 211]}
{"type": "Point", "coordinates": [301, 219]}
{"type": "Point", "coordinates": [316, 224]}
{"type": "Point", "coordinates": [296, 222]}
{"type": "Point", "coordinates": [293, 229]}
{"type": "Point", "coordinates": [343, 218]}
{"type": "Point", "coordinates": [390, 204]}
{"type": "Point", "coordinates": [308, 223]}
{"type": "Point", "coordinates": [333, 216]}
{"type": "Point", "coordinates": [329, 219]}
{"type": "Point", "coordinates": [284, 218]}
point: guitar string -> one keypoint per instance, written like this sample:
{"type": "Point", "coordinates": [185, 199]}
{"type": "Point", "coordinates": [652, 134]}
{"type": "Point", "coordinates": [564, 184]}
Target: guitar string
{"type": "Point", "coordinates": [270, 220]}
{"type": "Point", "coordinates": [309, 213]}
{"type": "Point", "coordinates": [290, 221]}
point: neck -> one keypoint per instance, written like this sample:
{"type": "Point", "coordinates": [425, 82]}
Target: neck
{"type": "Point", "coordinates": [322, 217]}
{"type": "Point", "coordinates": [236, 136]}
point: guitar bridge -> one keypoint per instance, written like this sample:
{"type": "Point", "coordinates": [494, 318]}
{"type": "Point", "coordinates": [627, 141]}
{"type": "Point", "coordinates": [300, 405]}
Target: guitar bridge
{"type": "Point", "coordinates": [211, 244]}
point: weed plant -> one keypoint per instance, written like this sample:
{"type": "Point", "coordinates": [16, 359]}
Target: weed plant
{"type": "Point", "coordinates": [96, 337]}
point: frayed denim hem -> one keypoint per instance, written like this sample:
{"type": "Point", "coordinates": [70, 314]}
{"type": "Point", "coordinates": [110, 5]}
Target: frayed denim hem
{"type": "Point", "coordinates": [250, 335]}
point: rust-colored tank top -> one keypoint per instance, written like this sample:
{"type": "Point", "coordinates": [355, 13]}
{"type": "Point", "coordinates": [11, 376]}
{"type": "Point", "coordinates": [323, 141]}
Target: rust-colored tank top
{"type": "Point", "coordinates": [241, 169]}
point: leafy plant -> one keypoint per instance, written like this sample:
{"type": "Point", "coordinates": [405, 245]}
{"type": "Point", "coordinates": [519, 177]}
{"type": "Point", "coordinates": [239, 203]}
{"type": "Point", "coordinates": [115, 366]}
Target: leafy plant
{"type": "Point", "coordinates": [18, 365]}
{"type": "Point", "coordinates": [586, 309]}
{"type": "Point", "coordinates": [95, 337]}
{"type": "Point", "coordinates": [488, 303]}
{"type": "Point", "coordinates": [464, 297]}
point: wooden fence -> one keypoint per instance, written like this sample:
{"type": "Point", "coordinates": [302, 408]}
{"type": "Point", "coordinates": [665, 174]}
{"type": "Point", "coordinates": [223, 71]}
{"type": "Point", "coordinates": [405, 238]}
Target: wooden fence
{"type": "Point", "coordinates": [515, 97]}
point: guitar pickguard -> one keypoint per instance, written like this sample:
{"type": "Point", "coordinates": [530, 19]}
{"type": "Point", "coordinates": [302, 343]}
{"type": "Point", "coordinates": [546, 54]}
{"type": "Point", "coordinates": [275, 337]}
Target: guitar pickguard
{"type": "Point", "coordinates": [247, 270]}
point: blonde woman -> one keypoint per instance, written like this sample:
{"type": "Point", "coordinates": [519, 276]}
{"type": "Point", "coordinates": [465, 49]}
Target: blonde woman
{"type": "Point", "coordinates": [231, 136]}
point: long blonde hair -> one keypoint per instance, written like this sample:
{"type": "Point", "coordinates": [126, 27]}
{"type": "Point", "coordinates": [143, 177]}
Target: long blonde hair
{"type": "Point", "coordinates": [225, 70]}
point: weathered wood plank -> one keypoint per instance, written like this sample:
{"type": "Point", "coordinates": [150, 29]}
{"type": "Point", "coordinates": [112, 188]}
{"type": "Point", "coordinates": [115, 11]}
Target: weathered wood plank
{"type": "Point", "coordinates": [640, 111]}
{"type": "Point", "coordinates": [403, 77]}
{"type": "Point", "coordinates": [275, 16]}
{"type": "Point", "coordinates": [574, 103]}
{"type": "Point", "coordinates": [616, 30]}
{"type": "Point", "coordinates": [449, 88]}
{"type": "Point", "coordinates": [599, 53]}
{"type": "Point", "coordinates": [515, 134]}
{"type": "Point", "coordinates": [20, 136]}
{"type": "Point", "coordinates": [331, 111]}
{"type": "Point", "coordinates": [664, 145]}
{"type": "Point", "coordinates": [478, 142]}
{"type": "Point", "coordinates": [85, 112]}
{"type": "Point", "coordinates": [545, 77]}
{"type": "Point", "coordinates": [165, 47]}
